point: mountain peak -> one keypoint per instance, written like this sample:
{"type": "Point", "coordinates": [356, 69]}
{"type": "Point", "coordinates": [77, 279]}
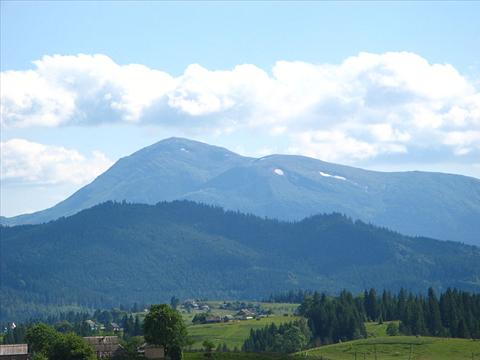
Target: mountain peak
{"type": "Point", "coordinates": [183, 145]}
{"type": "Point", "coordinates": [283, 186]}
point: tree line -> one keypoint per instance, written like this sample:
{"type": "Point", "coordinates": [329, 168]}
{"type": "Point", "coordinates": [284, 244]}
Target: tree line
{"type": "Point", "coordinates": [285, 338]}
{"type": "Point", "coordinates": [333, 319]}
{"type": "Point", "coordinates": [289, 297]}
{"type": "Point", "coordinates": [75, 322]}
{"type": "Point", "coordinates": [454, 313]}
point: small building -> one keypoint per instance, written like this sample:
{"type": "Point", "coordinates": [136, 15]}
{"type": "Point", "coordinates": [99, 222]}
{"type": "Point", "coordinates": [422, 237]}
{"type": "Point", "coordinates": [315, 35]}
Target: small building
{"type": "Point", "coordinates": [245, 314]}
{"type": "Point", "coordinates": [14, 352]}
{"type": "Point", "coordinates": [190, 304]}
{"type": "Point", "coordinates": [92, 324]}
{"type": "Point", "coordinates": [152, 352]}
{"type": "Point", "coordinates": [213, 319]}
{"type": "Point", "coordinates": [105, 347]}
{"type": "Point", "coordinates": [115, 327]}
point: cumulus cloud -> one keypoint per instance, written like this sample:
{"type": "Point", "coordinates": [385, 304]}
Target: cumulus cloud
{"type": "Point", "coordinates": [31, 163]}
{"type": "Point", "coordinates": [366, 106]}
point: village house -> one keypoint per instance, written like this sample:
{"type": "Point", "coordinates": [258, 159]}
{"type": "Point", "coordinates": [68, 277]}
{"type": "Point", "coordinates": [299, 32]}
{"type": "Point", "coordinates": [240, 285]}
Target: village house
{"type": "Point", "coordinates": [190, 304]}
{"type": "Point", "coordinates": [92, 324]}
{"type": "Point", "coordinates": [105, 347]}
{"type": "Point", "coordinates": [213, 319]}
{"type": "Point", "coordinates": [14, 352]}
{"type": "Point", "coordinates": [245, 314]}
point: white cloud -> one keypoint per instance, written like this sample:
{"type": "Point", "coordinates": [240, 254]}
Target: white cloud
{"type": "Point", "coordinates": [32, 163]}
{"type": "Point", "coordinates": [464, 142]}
{"type": "Point", "coordinates": [367, 106]}
{"type": "Point", "coordinates": [336, 146]}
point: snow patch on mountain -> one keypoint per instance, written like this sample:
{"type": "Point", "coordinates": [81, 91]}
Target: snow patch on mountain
{"type": "Point", "coordinates": [332, 176]}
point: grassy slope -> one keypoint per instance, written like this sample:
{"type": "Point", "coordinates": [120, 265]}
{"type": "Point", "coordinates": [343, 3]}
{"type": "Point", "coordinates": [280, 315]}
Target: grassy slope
{"type": "Point", "coordinates": [232, 333]}
{"type": "Point", "coordinates": [387, 348]}
{"type": "Point", "coordinates": [399, 347]}
{"type": "Point", "coordinates": [377, 330]}
{"type": "Point", "coordinates": [236, 356]}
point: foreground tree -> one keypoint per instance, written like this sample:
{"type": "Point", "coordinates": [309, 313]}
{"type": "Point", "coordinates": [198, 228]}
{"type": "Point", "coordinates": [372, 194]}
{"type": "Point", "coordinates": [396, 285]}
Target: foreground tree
{"type": "Point", "coordinates": [164, 326]}
{"type": "Point", "coordinates": [71, 347]}
{"type": "Point", "coordinates": [47, 343]}
{"type": "Point", "coordinates": [40, 338]}
{"type": "Point", "coordinates": [392, 329]}
{"type": "Point", "coordinates": [39, 356]}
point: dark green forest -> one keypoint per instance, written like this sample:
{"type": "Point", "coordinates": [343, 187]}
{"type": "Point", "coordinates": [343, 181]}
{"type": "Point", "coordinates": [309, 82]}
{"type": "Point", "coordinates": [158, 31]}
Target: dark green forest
{"type": "Point", "coordinates": [333, 319]}
{"type": "Point", "coordinates": [124, 253]}
{"type": "Point", "coordinates": [453, 314]}
{"type": "Point", "coordinates": [284, 338]}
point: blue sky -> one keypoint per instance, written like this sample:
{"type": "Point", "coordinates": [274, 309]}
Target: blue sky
{"type": "Point", "coordinates": [218, 35]}
{"type": "Point", "coordinates": [298, 93]}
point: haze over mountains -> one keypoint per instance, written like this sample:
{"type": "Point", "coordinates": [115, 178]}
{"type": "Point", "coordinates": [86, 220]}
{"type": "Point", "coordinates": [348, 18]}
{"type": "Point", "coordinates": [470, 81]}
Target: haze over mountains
{"type": "Point", "coordinates": [286, 187]}
{"type": "Point", "coordinates": [121, 253]}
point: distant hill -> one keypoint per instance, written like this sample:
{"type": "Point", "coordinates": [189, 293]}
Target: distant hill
{"type": "Point", "coordinates": [118, 253]}
{"type": "Point", "coordinates": [437, 205]}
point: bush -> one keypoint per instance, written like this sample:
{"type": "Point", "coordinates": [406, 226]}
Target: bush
{"type": "Point", "coordinates": [392, 329]}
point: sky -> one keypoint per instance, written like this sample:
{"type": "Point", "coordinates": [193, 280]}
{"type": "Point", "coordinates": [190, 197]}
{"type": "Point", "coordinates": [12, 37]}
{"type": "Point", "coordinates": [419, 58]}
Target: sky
{"type": "Point", "coordinates": [389, 86]}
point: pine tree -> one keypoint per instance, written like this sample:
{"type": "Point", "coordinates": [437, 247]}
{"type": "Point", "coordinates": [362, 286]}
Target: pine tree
{"type": "Point", "coordinates": [434, 321]}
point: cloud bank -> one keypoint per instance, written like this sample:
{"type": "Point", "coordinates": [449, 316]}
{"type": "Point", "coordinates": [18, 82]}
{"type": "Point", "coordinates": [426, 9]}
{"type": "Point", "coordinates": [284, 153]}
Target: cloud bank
{"type": "Point", "coordinates": [368, 106]}
{"type": "Point", "coordinates": [29, 163]}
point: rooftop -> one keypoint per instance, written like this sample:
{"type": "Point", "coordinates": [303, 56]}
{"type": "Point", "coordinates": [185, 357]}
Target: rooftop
{"type": "Point", "coordinates": [16, 349]}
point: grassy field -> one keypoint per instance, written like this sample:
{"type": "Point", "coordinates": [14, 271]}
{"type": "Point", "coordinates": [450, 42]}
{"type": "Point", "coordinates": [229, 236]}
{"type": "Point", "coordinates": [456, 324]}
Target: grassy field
{"type": "Point", "coordinates": [399, 348]}
{"type": "Point", "coordinates": [375, 329]}
{"type": "Point", "coordinates": [378, 346]}
{"type": "Point", "coordinates": [201, 332]}
{"type": "Point", "coordinates": [236, 356]}
{"type": "Point", "coordinates": [382, 348]}
{"type": "Point", "coordinates": [232, 333]}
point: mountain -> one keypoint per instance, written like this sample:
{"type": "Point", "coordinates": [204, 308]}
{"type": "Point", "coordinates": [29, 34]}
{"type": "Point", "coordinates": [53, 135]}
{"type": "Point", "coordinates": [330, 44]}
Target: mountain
{"type": "Point", "coordinates": [120, 253]}
{"type": "Point", "coordinates": [286, 187]}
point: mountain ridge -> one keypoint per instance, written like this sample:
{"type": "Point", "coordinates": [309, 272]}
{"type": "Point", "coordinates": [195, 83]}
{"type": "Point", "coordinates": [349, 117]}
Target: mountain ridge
{"type": "Point", "coordinates": [121, 252]}
{"type": "Point", "coordinates": [287, 187]}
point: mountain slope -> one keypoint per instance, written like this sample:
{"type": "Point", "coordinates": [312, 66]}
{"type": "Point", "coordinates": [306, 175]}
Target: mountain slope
{"type": "Point", "coordinates": [438, 205]}
{"type": "Point", "coordinates": [118, 253]}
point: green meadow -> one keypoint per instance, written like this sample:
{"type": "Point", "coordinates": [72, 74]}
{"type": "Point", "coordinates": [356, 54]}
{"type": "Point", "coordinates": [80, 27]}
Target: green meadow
{"type": "Point", "coordinates": [236, 356]}
{"type": "Point", "coordinates": [384, 348]}
{"type": "Point", "coordinates": [232, 333]}
{"type": "Point", "coordinates": [235, 332]}
{"type": "Point", "coordinates": [398, 348]}
{"type": "Point", "coordinates": [378, 346]}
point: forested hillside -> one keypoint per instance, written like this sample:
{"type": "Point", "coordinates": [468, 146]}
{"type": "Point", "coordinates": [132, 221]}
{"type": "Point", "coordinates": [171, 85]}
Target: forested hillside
{"type": "Point", "coordinates": [117, 253]}
{"type": "Point", "coordinates": [442, 206]}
